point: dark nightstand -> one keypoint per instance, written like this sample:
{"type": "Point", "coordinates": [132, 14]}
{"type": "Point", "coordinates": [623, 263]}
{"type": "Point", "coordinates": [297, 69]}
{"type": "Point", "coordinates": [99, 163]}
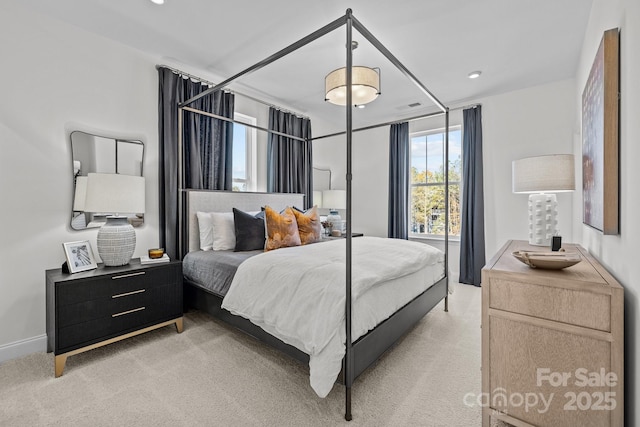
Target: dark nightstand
{"type": "Point", "coordinates": [94, 308]}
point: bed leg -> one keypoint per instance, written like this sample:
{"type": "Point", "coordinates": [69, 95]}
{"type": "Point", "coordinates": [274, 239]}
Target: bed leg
{"type": "Point", "coordinates": [446, 303]}
{"type": "Point", "coordinates": [347, 404]}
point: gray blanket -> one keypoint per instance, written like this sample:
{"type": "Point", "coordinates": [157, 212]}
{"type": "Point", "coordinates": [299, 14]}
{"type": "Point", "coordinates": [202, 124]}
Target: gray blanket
{"type": "Point", "coordinates": [213, 270]}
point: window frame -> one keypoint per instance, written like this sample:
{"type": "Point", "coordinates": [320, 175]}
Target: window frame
{"type": "Point", "coordinates": [250, 180]}
{"type": "Point", "coordinates": [417, 134]}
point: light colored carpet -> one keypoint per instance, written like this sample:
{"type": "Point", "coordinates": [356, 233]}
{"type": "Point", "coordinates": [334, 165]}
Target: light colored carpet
{"type": "Point", "coordinates": [213, 375]}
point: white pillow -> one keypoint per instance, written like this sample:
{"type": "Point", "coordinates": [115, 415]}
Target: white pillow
{"type": "Point", "coordinates": [205, 225]}
{"type": "Point", "coordinates": [224, 233]}
{"type": "Point", "coordinates": [217, 230]}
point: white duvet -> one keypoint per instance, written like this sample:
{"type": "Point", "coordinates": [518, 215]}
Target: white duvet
{"type": "Point", "coordinates": [298, 294]}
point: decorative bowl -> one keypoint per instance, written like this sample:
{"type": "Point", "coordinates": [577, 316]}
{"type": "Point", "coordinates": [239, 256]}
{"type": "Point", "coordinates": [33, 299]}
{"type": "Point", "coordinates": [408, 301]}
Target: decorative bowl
{"type": "Point", "coordinates": [548, 260]}
{"type": "Point", "coordinates": [156, 253]}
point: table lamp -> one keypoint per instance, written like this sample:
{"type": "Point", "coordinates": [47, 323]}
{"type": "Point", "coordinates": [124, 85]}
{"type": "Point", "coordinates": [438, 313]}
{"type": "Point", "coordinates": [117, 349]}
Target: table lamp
{"type": "Point", "coordinates": [115, 194]}
{"type": "Point", "coordinates": [542, 177]}
{"type": "Point", "coordinates": [334, 200]}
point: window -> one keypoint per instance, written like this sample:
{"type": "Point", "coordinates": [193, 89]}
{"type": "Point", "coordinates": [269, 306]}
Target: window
{"type": "Point", "coordinates": [244, 154]}
{"type": "Point", "coordinates": [427, 182]}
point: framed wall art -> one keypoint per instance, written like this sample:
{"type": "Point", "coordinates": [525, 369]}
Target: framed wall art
{"type": "Point", "coordinates": [600, 138]}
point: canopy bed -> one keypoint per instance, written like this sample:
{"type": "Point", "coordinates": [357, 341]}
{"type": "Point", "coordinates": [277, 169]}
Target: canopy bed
{"type": "Point", "coordinates": [362, 345]}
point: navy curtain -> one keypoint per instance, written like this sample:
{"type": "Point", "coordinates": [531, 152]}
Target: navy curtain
{"type": "Point", "coordinates": [289, 161]}
{"type": "Point", "coordinates": [472, 256]}
{"type": "Point", "coordinates": [399, 149]}
{"type": "Point", "coordinates": [207, 147]}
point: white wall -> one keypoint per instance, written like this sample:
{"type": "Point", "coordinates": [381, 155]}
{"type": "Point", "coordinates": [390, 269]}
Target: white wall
{"type": "Point", "coordinates": [56, 78]}
{"type": "Point", "coordinates": [619, 253]}
{"type": "Point", "coordinates": [528, 122]}
{"type": "Point", "coordinates": [370, 175]}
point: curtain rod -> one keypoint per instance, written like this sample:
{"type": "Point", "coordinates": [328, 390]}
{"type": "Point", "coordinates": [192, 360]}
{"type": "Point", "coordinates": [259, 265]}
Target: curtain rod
{"type": "Point", "coordinates": [201, 80]}
{"type": "Point", "coordinates": [464, 107]}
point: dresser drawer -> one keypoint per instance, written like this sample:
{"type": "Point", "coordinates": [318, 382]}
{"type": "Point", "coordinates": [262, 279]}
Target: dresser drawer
{"type": "Point", "coordinates": [101, 322]}
{"type": "Point", "coordinates": [576, 307]}
{"type": "Point", "coordinates": [523, 357]}
{"type": "Point", "coordinates": [109, 285]}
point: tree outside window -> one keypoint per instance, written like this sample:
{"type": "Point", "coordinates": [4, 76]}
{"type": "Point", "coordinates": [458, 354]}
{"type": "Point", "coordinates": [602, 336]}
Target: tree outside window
{"type": "Point", "coordinates": [427, 182]}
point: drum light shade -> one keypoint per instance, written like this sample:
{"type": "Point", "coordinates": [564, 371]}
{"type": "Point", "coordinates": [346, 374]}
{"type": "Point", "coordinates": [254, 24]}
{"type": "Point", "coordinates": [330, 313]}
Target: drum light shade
{"type": "Point", "coordinates": [334, 199]}
{"type": "Point", "coordinates": [544, 174]}
{"type": "Point", "coordinates": [365, 85]}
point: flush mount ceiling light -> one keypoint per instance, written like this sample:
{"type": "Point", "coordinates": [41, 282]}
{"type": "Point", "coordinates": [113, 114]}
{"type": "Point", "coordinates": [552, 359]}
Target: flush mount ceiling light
{"type": "Point", "coordinates": [158, 1]}
{"type": "Point", "coordinates": [474, 74]}
{"type": "Point", "coordinates": [365, 85]}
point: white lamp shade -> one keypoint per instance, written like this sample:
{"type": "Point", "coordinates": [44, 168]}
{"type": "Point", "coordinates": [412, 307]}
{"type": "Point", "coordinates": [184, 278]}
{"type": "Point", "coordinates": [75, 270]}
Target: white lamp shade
{"type": "Point", "coordinates": [114, 193]}
{"type": "Point", "coordinates": [544, 174]}
{"type": "Point", "coordinates": [80, 194]}
{"type": "Point", "coordinates": [365, 85]}
{"type": "Point", "coordinates": [334, 199]}
{"type": "Point", "coordinates": [317, 198]}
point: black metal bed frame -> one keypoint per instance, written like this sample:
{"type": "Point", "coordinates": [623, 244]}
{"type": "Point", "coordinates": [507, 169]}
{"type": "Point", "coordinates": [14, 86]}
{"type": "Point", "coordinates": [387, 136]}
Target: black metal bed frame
{"type": "Point", "coordinates": [387, 333]}
{"type": "Point", "coordinates": [366, 350]}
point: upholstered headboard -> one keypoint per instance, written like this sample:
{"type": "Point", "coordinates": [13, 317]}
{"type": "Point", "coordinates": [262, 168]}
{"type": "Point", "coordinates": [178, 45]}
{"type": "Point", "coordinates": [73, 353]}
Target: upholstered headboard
{"type": "Point", "coordinates": [225, 201]}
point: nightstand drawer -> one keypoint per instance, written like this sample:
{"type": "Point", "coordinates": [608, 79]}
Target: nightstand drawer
{"type": "Point", "coordinates": [576, 307]}
{"type": "Point", "coordinates": [107, 306]}
{"type": "Point", "coordinates": [83, 334]}
{"type": "Point", "coordinates": [107, 286]}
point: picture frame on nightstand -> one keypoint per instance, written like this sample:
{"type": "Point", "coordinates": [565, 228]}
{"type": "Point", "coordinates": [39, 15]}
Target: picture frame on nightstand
{"type": "Point", "coordinates": [79, 256]}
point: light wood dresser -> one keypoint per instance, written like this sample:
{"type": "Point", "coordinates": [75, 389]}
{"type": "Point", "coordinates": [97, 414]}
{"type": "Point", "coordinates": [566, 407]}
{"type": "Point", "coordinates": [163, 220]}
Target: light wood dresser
{"type": "Point", "coordinates": [552, 342]}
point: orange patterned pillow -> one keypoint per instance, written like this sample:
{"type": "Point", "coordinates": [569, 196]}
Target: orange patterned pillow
{"type": "Point", "coordinates": [309, 225]}
{"type": "Point", "coordinates": [282, 229]}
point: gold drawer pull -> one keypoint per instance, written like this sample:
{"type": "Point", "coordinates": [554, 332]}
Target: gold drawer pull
{"type": "Point", "coordinates": [139, 291]}
{"type": "Point", "coordinates": [139, 273]}
{"type": "Point", "coordinates": [128, 312]}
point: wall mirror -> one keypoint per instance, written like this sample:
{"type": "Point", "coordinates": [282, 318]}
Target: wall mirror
{"type": "Point", "coordinates": [321, 178]}
{"type": "Point", "coordinates": [101, 154]}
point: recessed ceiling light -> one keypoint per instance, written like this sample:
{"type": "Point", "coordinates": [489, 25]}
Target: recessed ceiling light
{"type": "Point", "coordinates": [360, 106]}
{"type": "Point", "coordinates": [474, 74]}
{"type": "Point", "coordinates": [158, 1]}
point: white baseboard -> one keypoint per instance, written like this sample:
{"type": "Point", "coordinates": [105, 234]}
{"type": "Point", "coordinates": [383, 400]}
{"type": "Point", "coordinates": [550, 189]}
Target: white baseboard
{"type": "Point", "coordinates": [23, 347]}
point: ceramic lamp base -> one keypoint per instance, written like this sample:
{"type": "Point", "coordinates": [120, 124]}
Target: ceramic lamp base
{"type": "Point", "coordinates": [543, 219]}
{"type": "Point", "coordinates": [336, 222]}
{"type": "Point", "coordinates": [116, 241]}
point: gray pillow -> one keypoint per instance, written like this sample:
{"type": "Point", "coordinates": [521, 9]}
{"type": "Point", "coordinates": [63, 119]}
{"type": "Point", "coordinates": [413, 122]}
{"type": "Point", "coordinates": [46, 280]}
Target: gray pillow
{"type": "Point", "coordinates": [249, 230]}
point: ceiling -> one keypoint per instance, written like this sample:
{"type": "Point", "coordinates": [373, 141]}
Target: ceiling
{"type": "Point", "coordinates": [515, 43]}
